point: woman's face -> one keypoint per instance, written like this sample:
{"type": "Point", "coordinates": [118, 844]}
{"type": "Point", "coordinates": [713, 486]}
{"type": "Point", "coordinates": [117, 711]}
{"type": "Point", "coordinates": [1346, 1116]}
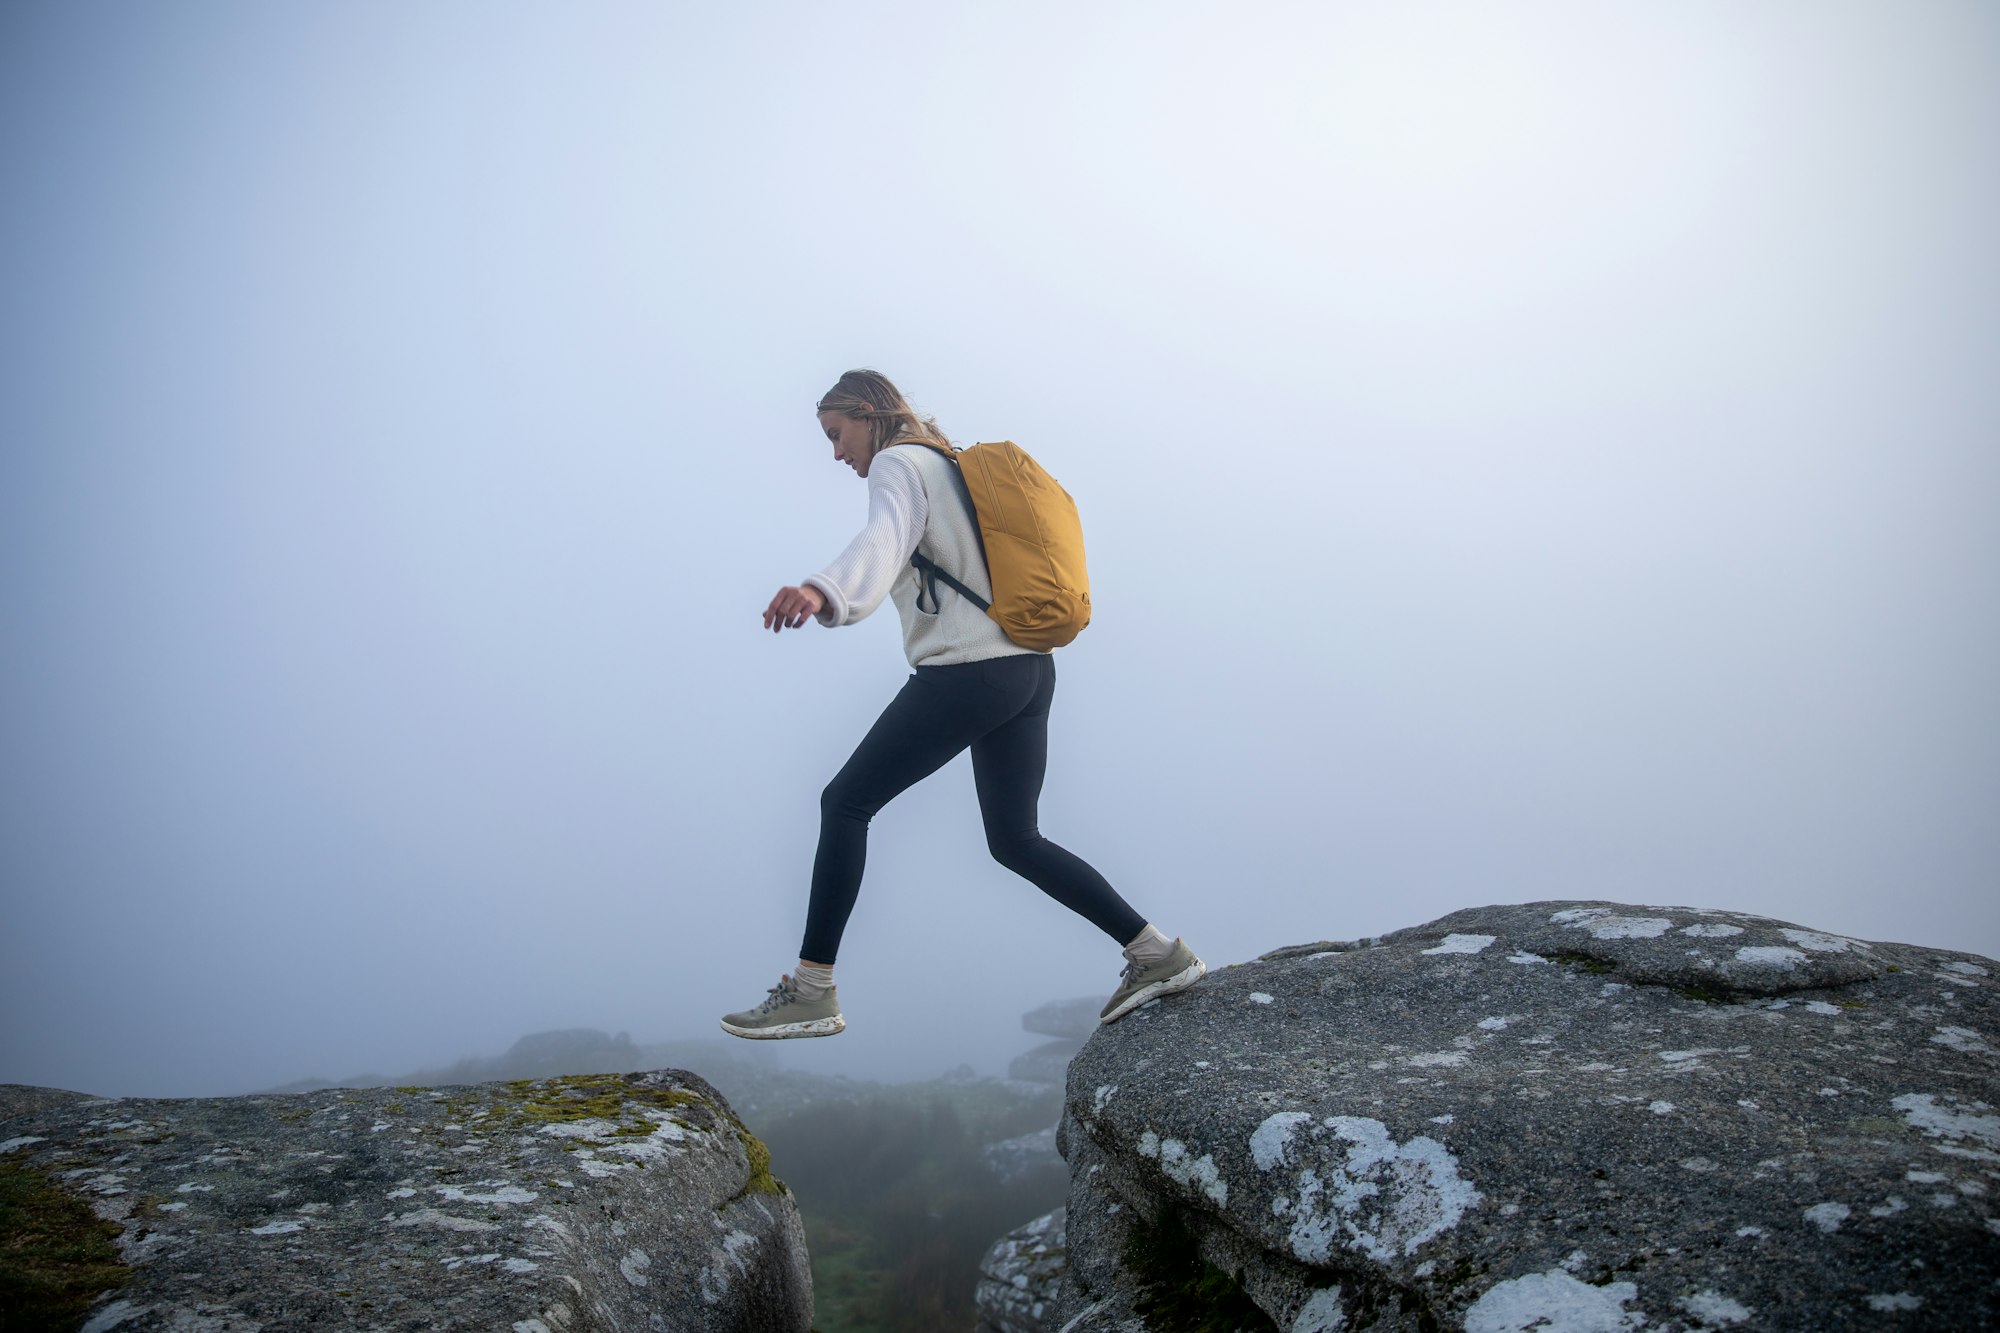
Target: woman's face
{"type": "Point", "coordinates": [853, 441]}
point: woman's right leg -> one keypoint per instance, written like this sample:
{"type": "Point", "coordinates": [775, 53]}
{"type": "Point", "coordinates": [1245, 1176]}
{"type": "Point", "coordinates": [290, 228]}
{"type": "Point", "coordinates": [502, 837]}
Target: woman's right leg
{"type": "Point", "coordinates": [1008, 765]}
{"type": "Point", "coordinates": [937, 713]}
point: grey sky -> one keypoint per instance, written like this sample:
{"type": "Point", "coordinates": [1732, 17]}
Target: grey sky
{"type": "Point", "coordinates": [1540, 451]}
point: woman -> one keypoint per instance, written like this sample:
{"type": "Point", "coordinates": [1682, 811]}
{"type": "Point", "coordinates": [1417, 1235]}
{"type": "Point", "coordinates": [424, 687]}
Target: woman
{"type": "Point", "coordinates": [971, 686]}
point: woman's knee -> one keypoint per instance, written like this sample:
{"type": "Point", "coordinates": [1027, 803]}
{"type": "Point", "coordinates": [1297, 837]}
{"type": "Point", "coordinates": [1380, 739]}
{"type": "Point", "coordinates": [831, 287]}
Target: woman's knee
{"type": "Point", "coordinates": [840, 800]}
{"type": "Point", "coordinates": [1013, 850]}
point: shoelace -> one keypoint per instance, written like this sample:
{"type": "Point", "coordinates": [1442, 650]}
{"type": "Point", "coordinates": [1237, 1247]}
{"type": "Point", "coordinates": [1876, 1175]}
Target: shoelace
{"type": "Point", "coordinates": [777, 997]}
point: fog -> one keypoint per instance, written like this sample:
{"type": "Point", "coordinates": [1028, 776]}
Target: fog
{"type": "Point", "coordinates": [1531, 452]}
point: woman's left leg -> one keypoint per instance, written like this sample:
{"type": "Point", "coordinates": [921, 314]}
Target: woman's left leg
{"type": "Point", "coordinates": [1008, 764]}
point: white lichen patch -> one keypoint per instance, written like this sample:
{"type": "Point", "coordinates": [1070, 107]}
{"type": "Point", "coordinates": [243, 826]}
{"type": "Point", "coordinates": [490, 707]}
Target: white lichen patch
{"type": "Point", "coordinates": [1367, 1192]}
{"type": "Point", "coordinates": [1102, 1096]}
{"type": "Point", "coordinates": [191, 1187]}
{"type": "Point", "coordinates": [1603, 924]}
{"type": "Point", "coordinates": [715, 1278]}
{"type": "Point", "coordinates": [20, 1141]}
{"type": "Point", "coordinates": [460, 1260]}
{"type": "Point", "coordinates": [1962, 1039]}
{"type": "Point", "coordinates": [1828, 1216]}
{"type": "Point", "coordinates": [1711, 931]}
{"type": "Point", "coordinates": [1259, 997]}
{"type": "Point", "coordinates": [506, 1194]}
{"type": "Point", "coordinates": [1954, 1121]}
{"type": "Point", "coordinates": [173, 1207]}
{"type": "Point", "coordinates": [588, 1128]}
{"type": "Point", "coordinates": [1770, 955]}
{"type": "Point", "coordinates": [1889, 1208]}
{"type": "Point", "coordinates": [1822, 1008]}
{"type": "Point", "coordinates": [284, 1228]}
{"type": "Point", "coordinates": [1662, 1108]}
{"type": "Point", "coordinates": [1689, 1059]}
{"type": "Point", "coordinates": [1322, 1313]}
{"type": "Point", "coordinates": [1815, 941]}
{"type": "Point", "coordinates": [1749, 1233]}
{"type": "Point", "coordinates": [1197, 1173]}
{"type": "Point", "coordinates": [1525, 958]}
{"type": "Point", "coordinates": [1892, 1302]}
{"type": "Point", "coordinates": [1554, 1302]}
{"type": "Point", "coordinates": [521, 1266]}
{"type": "Point", "coordinates": [1270, 1142]}
{"type": "Point", "coordinates": [598, 1169]}
{"type": "Point", "coordinates": [1492, 1024]}
{"type": "Point", "coordinates": [1435, 1059]}
{"type": "Point", "coordinates": [634, 1265]}
{"type": "Point", "coordinates": [1462, 944]}
{"type": "Point", "coordinates": [1967, 969]}
{"type": "Point", "coordinates": [431, 1217]}
{"type": "Point", "coordinates": [1712, 1307]}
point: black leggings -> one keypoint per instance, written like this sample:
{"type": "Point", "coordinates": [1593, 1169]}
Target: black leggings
{"type": "Point", "coordinates": [999, 707]}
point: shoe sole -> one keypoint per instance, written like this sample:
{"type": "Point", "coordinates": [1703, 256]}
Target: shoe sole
{"type": "Point", "coordinates": [1179, 981]}
{"type": "Point", "coordinates": [818, 1027]}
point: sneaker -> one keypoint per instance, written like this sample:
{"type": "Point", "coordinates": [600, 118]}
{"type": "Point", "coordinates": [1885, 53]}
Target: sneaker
{"type": "Point", "coordinates": [786, 1013]}
{"type": "Point", "coordinates": [1148, 981]}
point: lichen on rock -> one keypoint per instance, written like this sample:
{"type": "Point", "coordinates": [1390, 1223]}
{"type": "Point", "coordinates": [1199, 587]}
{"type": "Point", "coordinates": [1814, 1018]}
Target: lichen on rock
{"type": "Point", "coordinates": [564, 1204]}
{"type": "Point", "coordinates": [1561, 1114]}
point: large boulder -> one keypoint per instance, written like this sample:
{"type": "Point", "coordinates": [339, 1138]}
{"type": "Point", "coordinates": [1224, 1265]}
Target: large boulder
{"type": "Point", "coordinates": [1560, 1115]}
{"type": "Point", "coordinates": [597, 1202]}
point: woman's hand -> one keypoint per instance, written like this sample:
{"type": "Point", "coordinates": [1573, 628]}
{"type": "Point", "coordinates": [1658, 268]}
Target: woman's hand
{"type": "Point", "coordinates": [792, 607]}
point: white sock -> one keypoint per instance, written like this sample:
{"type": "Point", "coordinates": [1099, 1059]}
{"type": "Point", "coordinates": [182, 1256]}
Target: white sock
{"type": "Point", "coordinates": [812, 980]}
{"type": "Point", "coordinates": [1149, 946]}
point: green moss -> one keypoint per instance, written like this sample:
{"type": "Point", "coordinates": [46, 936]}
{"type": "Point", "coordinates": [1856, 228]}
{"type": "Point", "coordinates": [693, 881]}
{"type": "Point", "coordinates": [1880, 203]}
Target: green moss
{"type": "Point", "coordinates": [1583, 962]}
{"type": "Point", "coordinates": [1181, 1291]}
{"type": "Point", "coordinates": [56, 1256]}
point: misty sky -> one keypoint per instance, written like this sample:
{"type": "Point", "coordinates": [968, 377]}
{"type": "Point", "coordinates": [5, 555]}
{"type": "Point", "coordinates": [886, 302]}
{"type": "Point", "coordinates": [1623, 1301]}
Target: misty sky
{"type": "Point", "coordinates": [1528, 451]}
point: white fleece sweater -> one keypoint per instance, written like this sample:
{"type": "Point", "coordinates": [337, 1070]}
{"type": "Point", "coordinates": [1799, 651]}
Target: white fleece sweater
{"type": "Point", "coordinates": [914, 505]}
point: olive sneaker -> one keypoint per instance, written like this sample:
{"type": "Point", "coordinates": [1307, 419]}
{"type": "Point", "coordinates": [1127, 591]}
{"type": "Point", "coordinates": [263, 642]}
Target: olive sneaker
{"type": "Point", "coordinates": [787, 1013]}
{"type": "Point", "coordinates": [1149, 981]}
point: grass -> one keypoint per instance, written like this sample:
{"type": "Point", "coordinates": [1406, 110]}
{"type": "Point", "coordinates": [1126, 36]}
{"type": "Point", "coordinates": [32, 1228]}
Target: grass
{"type": "Point", "coordinates": [56, 1255]}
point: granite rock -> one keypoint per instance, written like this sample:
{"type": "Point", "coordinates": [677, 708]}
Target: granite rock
{"type": "Point", "coordinates": [1576, 1115]}
{"type": "Point", "coordinates": [1020, 1277]}
{"type": "Point", "coordinates": [599, 1202]}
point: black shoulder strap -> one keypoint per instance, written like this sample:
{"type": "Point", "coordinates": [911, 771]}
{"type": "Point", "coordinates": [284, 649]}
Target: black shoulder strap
{"type": "Point", "coordinates": [930, 569]}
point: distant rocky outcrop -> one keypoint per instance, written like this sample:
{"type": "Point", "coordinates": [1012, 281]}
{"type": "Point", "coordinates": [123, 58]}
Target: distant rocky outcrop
{"type": "Point", "coordinates": [1560, 1115]}
{"type": "Point", "coordinates": [1021, 1277]}
{"type": "Point", "coordinates": [595, 1202]}
{"type": "Point", "coordinates": [1069, 1021]}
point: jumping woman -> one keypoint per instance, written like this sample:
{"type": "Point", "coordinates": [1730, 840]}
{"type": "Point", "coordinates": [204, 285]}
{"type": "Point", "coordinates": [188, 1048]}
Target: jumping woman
{"type": "Point", "coordinates": [970, 685]}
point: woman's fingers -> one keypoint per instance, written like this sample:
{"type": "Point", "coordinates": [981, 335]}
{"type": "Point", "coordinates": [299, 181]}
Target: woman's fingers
{"type": "Point", "coordinates": [790, 609]}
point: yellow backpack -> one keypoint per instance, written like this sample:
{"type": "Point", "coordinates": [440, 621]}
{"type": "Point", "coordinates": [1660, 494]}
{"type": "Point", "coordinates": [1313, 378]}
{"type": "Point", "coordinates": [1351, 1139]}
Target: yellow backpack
{"type": "Point", "coordinates": [1032, 539]}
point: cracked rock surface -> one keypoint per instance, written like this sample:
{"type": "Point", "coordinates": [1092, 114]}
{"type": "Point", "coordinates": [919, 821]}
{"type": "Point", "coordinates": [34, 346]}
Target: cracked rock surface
{"type": "Point", "coordinates": [1557, 1115]}
{"type": "Point", "coordinates": [593, 1202]}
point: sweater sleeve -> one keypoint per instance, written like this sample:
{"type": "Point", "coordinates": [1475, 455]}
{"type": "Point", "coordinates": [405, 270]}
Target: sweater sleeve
{"type": "Point", "coordinates": [861, 576]}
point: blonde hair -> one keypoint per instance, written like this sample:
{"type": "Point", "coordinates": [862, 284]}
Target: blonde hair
{"type": "Point", "coordinates": [867, 395]}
